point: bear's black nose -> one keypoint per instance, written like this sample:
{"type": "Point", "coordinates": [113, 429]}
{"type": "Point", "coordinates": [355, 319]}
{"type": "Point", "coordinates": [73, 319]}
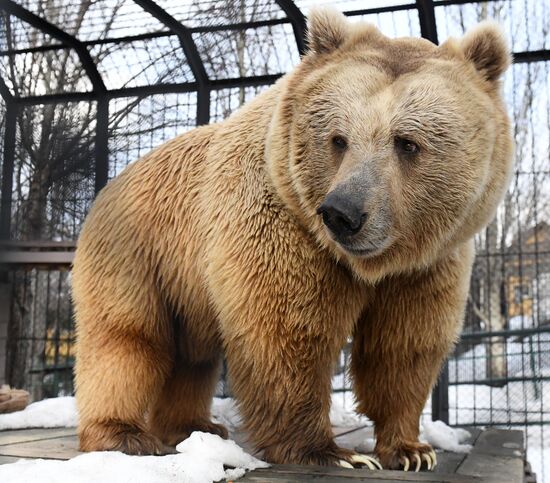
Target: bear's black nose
{"type": "Point", "coordinates": [341, 216]}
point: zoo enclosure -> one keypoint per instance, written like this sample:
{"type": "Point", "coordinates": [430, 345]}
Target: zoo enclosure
{"type": "Point", "coordinates": [87, 87]}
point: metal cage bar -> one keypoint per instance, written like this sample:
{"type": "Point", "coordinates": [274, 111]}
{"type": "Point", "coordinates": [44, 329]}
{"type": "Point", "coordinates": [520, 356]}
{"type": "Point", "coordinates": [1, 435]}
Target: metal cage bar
{"type": "Point", "coordinates": [5, 91]}
{"type": "Point", "coordinates": [154, 35]}
{"type": "Point", "coordinates": [191, 53]}
{"type": "Point", "coordinates": [298, 21]}
{"type": "Point", "coordinates": [7, 169]}
{"type": "Point", "coordinates": [426, 15]}
{"type": "Point", "coordinates": [102, 143]}
{"type": "Point", "coordinates": [151, 90]}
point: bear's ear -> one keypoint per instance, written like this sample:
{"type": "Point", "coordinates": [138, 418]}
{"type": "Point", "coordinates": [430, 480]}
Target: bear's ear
{"type": "Point", "coordinates": [486, 47]}
{"type": "Point", "coordinates": [327, 29]}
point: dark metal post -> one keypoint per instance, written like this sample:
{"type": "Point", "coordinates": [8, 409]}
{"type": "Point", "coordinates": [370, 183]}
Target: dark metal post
{"type": "Point", "coordinates": [440, 396]}
{"type": "Point", "coordinates": [203, 105]}
{"type": "Point", "coordinates": [4, 91]}
{"type": "Point", "coordinates": [298, 21]}
{"type": "Point", "coordinates": [7, 169]}
{"type": "Point", "coordinates": [102, 144]}
{"type": "Point", "coordinates": [426, 16]}
{"type": "Point", "coordinates": [191, 53]}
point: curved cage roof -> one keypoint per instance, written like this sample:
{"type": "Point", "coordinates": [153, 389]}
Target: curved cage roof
{"type": "Point", "coordinates": [124, 45]}
{"type": "Point", "coordinates": [143, 47]}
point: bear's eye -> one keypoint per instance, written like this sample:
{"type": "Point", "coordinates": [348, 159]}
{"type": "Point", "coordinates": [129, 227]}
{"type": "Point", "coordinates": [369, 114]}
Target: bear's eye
{"type": "Point", "coordinates": [339, 143]}
{"type": "Point", "coordinates": [406, 146]}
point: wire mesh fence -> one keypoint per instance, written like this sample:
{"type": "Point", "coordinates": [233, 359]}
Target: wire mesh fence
{"type": "Point", "coordinates": [42, 355]}
{"type": "Point", "coordinates": [138, 124]}
{"type": "Point", "coordinates": [72, 130]}
{"type": "Point", "coordinates": [53, 180]}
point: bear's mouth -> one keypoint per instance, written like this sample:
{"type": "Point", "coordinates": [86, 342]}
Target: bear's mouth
{"type": "Point", "coordinates": [359, 252]}
{"type": "Point", "coordinates": [371, 250]}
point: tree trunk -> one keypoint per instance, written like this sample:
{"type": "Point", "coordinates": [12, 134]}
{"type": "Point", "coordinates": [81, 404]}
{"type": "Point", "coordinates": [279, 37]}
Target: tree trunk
{"type": "Point", "coordinates": [496, 364]}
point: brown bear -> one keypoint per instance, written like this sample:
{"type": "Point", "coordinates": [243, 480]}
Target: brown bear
{"type": "Point", "coordinates": [341, 202]}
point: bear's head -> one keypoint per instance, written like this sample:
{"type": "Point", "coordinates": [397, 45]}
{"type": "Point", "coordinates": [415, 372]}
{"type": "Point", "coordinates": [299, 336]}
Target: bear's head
{"type": "Point", "coordinates": [392, 152]}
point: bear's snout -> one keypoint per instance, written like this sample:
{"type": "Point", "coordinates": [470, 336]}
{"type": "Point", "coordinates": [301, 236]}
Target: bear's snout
{"type": "Point", "coordinates": [342, 216]}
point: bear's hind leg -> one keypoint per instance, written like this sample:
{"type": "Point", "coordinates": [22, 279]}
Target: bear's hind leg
{"type": "Point", "coordinates": [117, 375]}
{"type": "Point", "coordinates": [183, 405]}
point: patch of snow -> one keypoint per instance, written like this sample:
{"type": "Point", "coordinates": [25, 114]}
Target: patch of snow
{"type": "Point", "coordinates": [201, 459]}
{"type": "Point", "coordinates": [521, 322]}
{"type": "Point", "coordinates": [341, 381]}
{"type": "Point", "coordinates": [367, 446]}
{"type": "Point", "coordinates": [62, 412]}
{"type": "Point", "coordinates": [441, 436]}
{"type": "Point", "coordinates": [225, 411]}
{"type": "Point", "coordinates": [342, 411]}
{"type": "Point", "coordinates": [436, 433]}
{"type": "Point", "coordinates": [469, 404]}
{"type": "Point", "coordinates": [538, 452]}
{"type": "Point", "coordinates": [49, 413]}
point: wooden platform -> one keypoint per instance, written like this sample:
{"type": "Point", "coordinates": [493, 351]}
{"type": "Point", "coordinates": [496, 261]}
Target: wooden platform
{"type": "Point", "coordinates": [497, 457]}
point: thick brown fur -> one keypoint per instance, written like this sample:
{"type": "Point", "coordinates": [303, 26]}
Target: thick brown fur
{"type": "Point", "coordinates": [211, 244]}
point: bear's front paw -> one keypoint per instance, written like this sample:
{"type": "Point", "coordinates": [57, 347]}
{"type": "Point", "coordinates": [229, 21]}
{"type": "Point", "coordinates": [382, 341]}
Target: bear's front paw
{"type": "Point", "coordinates": [330, 455]}
{"type": "Point", "coordinates": [407, 456]}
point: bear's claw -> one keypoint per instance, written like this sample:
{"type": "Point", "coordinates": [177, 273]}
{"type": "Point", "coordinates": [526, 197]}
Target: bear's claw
{"type": "Point", "coordinates": [430, 459]}
{"type": "Point", "coordinates": [434, 458]}
{"type": "Point", "coordinates": [369, 461]}
{"type": "Point", "coordinates": [418, 462]}
{"type": "Point", "coordinates": [361, 459]}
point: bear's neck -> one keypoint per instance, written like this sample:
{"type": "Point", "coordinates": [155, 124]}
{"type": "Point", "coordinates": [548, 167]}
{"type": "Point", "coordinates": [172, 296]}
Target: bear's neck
{"type": "Point", "coordinates": [278, 156]}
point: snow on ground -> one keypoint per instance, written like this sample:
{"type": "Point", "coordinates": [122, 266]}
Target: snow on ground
{"type": "Point", "coordinates": [437, 433]}
{"type": "Point", "coordinates": [523, 357]}
{"type": "Point", "coordinates": [49, 413]}
{"type": "Point", "coordinates": [62, 412]}
{"type": "Point", "coordinates": [366, 446]}
{"type": "Point", "coordinates": [342, 411]}
{"type": "Point", "coordinates": [475, 402]}
{"type": "Point", "coordinates": [515, 402]}
{"type": "Point", "coordinates": [441, 436]}
{"type": "Point", "coordinates": [201, 458]}
{"type": "Point", "coordinates": [224, 411]}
